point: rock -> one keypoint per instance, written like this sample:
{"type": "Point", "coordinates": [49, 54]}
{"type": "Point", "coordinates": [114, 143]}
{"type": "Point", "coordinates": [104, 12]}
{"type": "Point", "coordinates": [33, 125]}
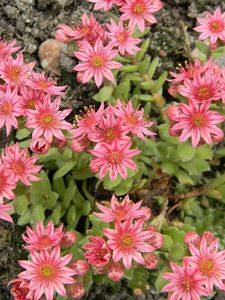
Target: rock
{"type": "Point", "coordinates": [50, 52]}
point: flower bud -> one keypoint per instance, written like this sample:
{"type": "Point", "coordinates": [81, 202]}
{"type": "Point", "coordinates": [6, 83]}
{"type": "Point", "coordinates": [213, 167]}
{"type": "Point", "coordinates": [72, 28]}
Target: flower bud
{"type": "Point", "coordinates": [20, 289]}
{"type": "Point", "coordinates": [40, 146]}
{"type": "Point", "coordinates": [59, 143]}
{"type": "Point", "coordinates": [192, 238]}
{"type": "Point", "coordinates": [147, 213]}
{"type": "Point", "coordinates": [76, 290]}
{"type": "Point", "coordinates": [115, 271]}
{"type": "Point", "coordinates": [156, 240]}
{"type": "Point", "coordinates": [150, 261]}
{"type": "Point", "coordinates": [69, 239]}
{"type": "Point", "coordinates": [209, 237]}
{"type": "Point", "coordinates": [172, 112]}
{"type": "Point", "coordinates": [79, 266]}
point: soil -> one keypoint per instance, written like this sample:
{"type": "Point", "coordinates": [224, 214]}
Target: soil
{"type": "Point", "coordinates": [31, 22]}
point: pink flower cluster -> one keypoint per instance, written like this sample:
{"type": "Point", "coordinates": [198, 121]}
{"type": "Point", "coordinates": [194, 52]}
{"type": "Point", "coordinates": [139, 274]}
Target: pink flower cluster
{"type": "Point", "coordinates": [201, 84]}
{"type": "Point", "coordinates": [48, 272]}
{"type": "Point", "coordinates": [200, 272]}
{"type": "Point", "coordinates": [111, 129]}
{"type": "Point", "coordinates": [15, 165]}
{"type": "Point", "coordinates": [32, 97]}
{"type": "Point", "coordinates": [126, 243]}
{"type": "Point", "coordinates": [98, 45]}
{"type": "Point", "coordinates": [212, 27]}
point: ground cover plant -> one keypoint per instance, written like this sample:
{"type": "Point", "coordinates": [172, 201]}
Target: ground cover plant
{"type": "Point", "coordinates": [130, 190]}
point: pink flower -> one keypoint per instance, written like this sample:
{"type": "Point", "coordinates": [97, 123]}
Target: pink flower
{"type": "Point", "coordinates": [201, 88]}
{"type": "Point", "coordinates": [10, 108]}
{"type": "Point", "coordinates": [43, 238]}
{"type": "Point", "coordinates": [190, 70]}
{"type": "Point", "coordinates": [87, 122]}
{"type": "Point", "coordinates": [192, 238]}
{"type": "Point", "coordinates": [7, 48]}
{"type": "Point", "coordinates": [96, 62]}
{"type": "Point", "coordinates": [109, 129]}
{"type": "Point", "coordinates": [113, 159]}
{"type": "Point", "coordinates": [47, 120]}
{"type": "Point", "coordinates": [122, 38]}
{"type": "Point", "coordinates": [20, 289]}
{"type": "Point", "coordinates": [80, 267]}
{"type": "Point", "coordinates": [4, 211]}
{"type": "Point", "coordinates": [222, 87]}
{"type": "Point", "coordinates": [15, 71]}
{"type": "Point", "coordinates": [43, 83]}
{"type": "Point", "coordinates": [97, 252]}
{"type": "Point", "coordinates": [185, 283]}
{"type": "Point", "coordinates": [80, 144]}
{"type": "Point", "coordinates": [199, 123]}
{"type": "Point", "coordinates": [120, 211]}
{"type": "Point", "coordinates": [19, 165]}
{"type": "Point", "coordinates": [30, 97]}
{"type": "Point", "coordinates": [76, 290]}
{"type": "Point", "coordinates": [133, 119]}
{"type": "Point", "coordinates": [209, 262]}
{"type": "Point", "coordinates": [47, 272]}
{"type": "Point", "coordinates": [102, 4]}
{"type": "Point", "coordinates": [6, 184]}
{"type": "Point", "coordinates": [127, 241]}
{"type": "Point", "coordinates": [115, 271]}
{"type": "Point", "coordinates": [40, 145]}
{"type": "Point", "coordinates": [64, 33]}
{"type": "Point", "coordinates": [68, 239]}
{"type": "Point", "coordinates": [138, 12]}
{"type": "Point", "coordinates": [212, 27]}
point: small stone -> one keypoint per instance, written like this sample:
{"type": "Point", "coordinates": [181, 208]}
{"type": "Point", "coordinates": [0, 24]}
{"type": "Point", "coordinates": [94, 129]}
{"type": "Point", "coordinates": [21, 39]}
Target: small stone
{"type": "Point", "coordinates": [50, 52]}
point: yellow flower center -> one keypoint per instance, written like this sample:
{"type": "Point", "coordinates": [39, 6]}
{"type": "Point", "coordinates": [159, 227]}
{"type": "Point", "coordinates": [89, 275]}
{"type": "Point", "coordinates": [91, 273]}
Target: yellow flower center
{"type": "Point", "coordinates": [31, 104]}
{"type": "Point", "coordinates": [132, 119]}
{"type": "Point", "coordinates": [115, 157]}
{"type": "Point", "coordinates": [110, 135]}
{"type": "Point", "coordinates": [127, 241]}
{"type": "Point", "coordinates": [206, 266]}
{"type": "Point", "coordinates": [7, 108]}
{"type": "Point", "coordinates": [122, 36]}
{"type": "Point", "coordinates": [216, 26]}
{"type": "Point", "coordinates": [47, 272]}
{"type": "Point", "coordinates": [187, 284]}
{"type": "Point", "coordinates": [203, 93]}
{"type": "Point", "coordinates": [43, 84]}
{"type": "Point", "coordinates": [198, 121]}
{"type": "Point", "coordinates": [44, 241]}
{"type": "Point", "coordinates": [18, 167]}
{"type": "Point", "coordinates": [47, 119]}
{"type": "Point", "coordinates": [97, 61]}
{"type": "Point", "coordinates": [139, 8]}
{"type": "Point", "coordinates": [14, 73]}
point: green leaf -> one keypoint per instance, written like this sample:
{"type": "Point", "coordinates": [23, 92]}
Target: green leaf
{"type": "Point", "coordinates": [104, 94]}
{"type": "Point", "coordinates": [20, 204]}
{"type": "Point", "coordinates": [202, 47]}
{"type": "Point", "coordinates": [160, 281]}
{"type": "Point", "coordinates": [69, 193]}
{"type": "Point", "coordinates": [53, 154]}
{"type": "Point", "coordinates": [215, 194]}
{"type": "Point", "coordinates": [109, 184]}
{"type": "Point", "coordinates": [218, 52]}
{"type": "Point", "coordinates": [144, 97]}
{"type": "Point", "coordinates": [144, 65]}
{"type": "Point", "coordinates": [152, 67]}
{"type": "Point", "coordinates": [169, 167]}
{"type": "Point", "coordinates": [71, 215]}
{"type": "Point", "coordinates": [183, 177]}
{"type": "Point", "coordinates": [97, 223]}
{"type": "Point", "coordinates": [24, 218]}
{"type": "Point", "coordinates": [167, 243]}
{"type": "Point", "coordinates": [144, 48]}
{"type": "Point", "coordinates": [81, 174]}
{"type": "Point", "coordinates": [51, 200]}
{"type": "Point", "coordinates": [196, 166]}
{"type": "Point", "coordinates": [58, 186]}
{"type": "Point", "coordinates": [56, 214]}
{"type": "Point", "coordinates": [160, 81]}
{"type": "Point", "coordinates": [22, 133]}
{"type": "Point", "coordinates": [129, 69]}
{"type": "Point", "coordinates": [147, 85]}
{"type": "Point", "coordinates": [204, 151]}
{"type": "Point", "coordinates": [37, 213]}
{"type": "Point", "coordinates": [185, 151]}
{"type": "Point", "coordinates": [124, 187]}
{"type": "Point", "coordinates": [177, 252]}
{"type": "Point", "coordinates": [64, 169]}
{"type": "Point", "coordinates": [122, 90]}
